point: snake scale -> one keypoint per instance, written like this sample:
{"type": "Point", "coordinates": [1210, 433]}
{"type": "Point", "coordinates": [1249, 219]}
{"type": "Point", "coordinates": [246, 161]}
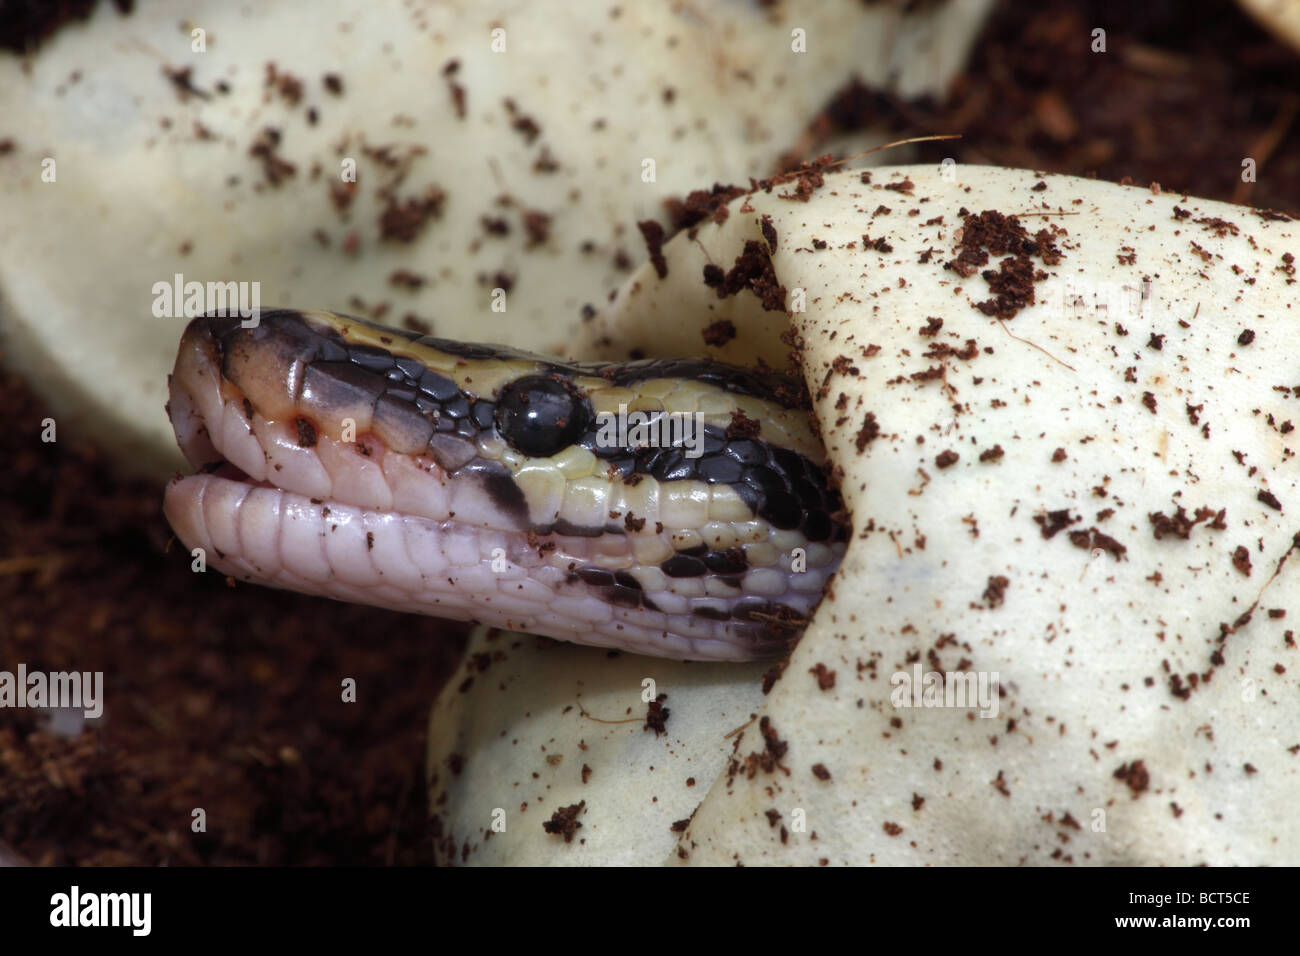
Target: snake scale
{"type": "Point", "coordinates": [338, 457]}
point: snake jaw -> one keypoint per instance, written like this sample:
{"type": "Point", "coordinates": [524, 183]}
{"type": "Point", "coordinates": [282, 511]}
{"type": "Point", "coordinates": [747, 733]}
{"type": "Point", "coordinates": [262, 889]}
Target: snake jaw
{"type": "Point", "coordinates": [318, 473]}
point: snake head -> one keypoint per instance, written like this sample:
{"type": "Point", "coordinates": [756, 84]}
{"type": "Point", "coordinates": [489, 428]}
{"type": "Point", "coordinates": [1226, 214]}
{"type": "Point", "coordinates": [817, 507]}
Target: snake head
{"type": "Point", "coordinates": [342, 458]}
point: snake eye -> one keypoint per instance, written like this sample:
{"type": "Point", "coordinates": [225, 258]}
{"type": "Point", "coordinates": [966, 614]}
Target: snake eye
{"type": "Point", "coordinates": [540, 415]}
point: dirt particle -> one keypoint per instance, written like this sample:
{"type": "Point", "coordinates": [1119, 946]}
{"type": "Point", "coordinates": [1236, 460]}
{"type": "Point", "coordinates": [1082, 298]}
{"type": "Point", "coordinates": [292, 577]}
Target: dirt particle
{"type": "Point", "coordinates": [656, 717]}
{"type": "Point", "coordinates": [868, 433]}
{"type": "Point", "coordinates": [752, 270]}
{"type": "Point", "coordinates": [404, 220]}
{"type": "Point", "coordinates": [825, 676]}
{"type": "Point", "coordinates": [653, 233]}
{"type": "Point", "coordinates": [719, 333]}
{"type": "Point", "coordinates": [1135, 776]}
{"type": "Point", "coordinates": [996, 589]}
{"type": "Point", "coordinates": [564, 821]}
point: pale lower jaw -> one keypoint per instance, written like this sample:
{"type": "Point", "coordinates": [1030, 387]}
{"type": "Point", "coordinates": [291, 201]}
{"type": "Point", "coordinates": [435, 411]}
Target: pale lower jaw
{"type": "Point", "coordinates": [268, 536]}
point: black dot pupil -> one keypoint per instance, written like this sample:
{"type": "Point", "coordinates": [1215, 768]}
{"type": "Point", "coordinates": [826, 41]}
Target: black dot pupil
{"type": "Point", "coordinates": [539, 416]}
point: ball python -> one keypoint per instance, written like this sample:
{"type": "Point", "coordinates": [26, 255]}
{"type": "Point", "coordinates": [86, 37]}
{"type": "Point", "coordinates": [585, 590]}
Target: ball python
{"type": "Point", "coordinates": [341, 458]}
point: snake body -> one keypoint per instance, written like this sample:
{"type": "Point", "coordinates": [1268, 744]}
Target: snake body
{"type": "Point", "coordinates": [342, 458]}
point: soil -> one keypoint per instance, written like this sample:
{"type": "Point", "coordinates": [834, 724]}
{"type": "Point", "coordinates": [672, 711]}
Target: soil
{"type": "Point", "coordinates": [224, 699]}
